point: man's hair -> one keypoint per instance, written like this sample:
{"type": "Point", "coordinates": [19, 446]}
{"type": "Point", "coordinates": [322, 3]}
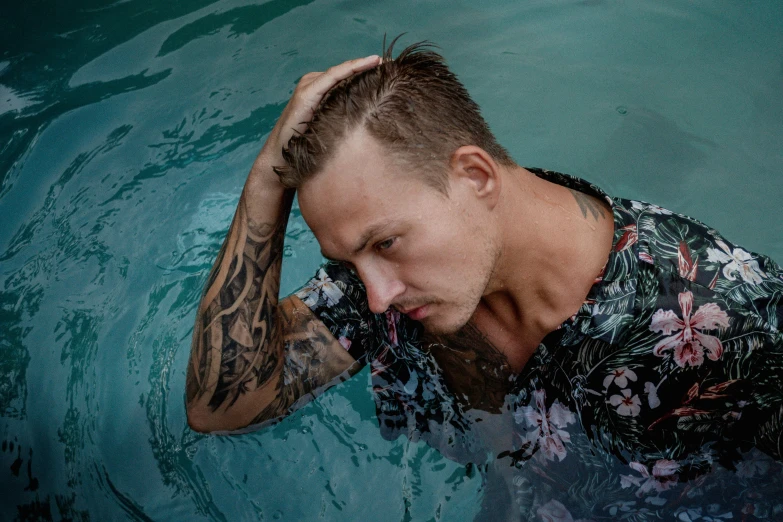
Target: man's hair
{"type": "Point", "coordinates": [414, 106]}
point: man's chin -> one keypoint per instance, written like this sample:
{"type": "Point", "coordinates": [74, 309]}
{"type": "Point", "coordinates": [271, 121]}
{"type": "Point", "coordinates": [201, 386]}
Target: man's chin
{"type": "Point", "coordinates": [436, 326]}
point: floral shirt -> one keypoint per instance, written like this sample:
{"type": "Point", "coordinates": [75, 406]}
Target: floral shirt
{"type": "Point", "coordinates": [662, 397]}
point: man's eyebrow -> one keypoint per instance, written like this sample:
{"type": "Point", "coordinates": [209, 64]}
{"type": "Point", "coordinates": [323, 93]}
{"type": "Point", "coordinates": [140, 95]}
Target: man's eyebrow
{"type": "Point", "coordinates": [361, 243]}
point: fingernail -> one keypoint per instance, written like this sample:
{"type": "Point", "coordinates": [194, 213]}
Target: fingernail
{"type": "Point", "coordinates": [373, 56]}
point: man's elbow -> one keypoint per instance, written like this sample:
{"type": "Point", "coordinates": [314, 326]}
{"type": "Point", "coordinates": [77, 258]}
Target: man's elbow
{"type": "Point", "coordinates": [205, 422]}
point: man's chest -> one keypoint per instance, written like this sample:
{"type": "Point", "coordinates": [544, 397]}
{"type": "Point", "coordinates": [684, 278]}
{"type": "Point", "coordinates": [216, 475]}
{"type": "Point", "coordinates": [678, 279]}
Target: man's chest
{"type": "Point", "coordinates": [476, 372]}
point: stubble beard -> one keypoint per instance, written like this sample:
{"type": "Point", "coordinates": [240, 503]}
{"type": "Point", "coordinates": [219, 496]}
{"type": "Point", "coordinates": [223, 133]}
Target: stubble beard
{"type": "Point", "coordinates": [462, 317]}
{"type": "Point", "coordinates": [467, 303]}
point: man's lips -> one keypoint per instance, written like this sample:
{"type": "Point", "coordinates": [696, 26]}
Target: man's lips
{"type": "Point", "coordinates": [416, 313]}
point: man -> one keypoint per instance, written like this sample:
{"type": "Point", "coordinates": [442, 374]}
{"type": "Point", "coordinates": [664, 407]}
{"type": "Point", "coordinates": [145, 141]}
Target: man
{"type": "Point", "coordinates": [477, 288]}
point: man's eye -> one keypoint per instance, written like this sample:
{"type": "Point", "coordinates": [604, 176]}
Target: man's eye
{"type": "Point", "coordinates": [385, 245]}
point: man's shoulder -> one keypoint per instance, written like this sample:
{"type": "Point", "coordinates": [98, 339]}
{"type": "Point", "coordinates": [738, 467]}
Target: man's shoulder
{"type": "Point", "coordinates": [670, 241]}
{"type": "Point", "coordinates": [682, 248]}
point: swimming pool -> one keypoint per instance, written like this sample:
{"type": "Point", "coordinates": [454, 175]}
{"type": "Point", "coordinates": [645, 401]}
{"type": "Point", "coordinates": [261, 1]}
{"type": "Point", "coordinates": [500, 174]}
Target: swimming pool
{"type": "Point", "coordinates": [127, 132]}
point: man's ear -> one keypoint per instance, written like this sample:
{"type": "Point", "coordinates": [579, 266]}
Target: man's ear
{"type": "Point", "coordinates": [474, 166]}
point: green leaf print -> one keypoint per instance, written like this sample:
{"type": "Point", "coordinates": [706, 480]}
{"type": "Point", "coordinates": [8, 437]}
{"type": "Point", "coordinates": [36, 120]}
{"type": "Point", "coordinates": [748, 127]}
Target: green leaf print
{"type": "Point", "coordinates": [617, 298]}
{"type": "Point", "coordinates": [666, 237]}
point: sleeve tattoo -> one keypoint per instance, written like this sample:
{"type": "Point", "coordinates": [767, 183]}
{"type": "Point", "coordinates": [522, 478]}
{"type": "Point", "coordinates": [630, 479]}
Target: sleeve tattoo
{"type": "Point", "coordinates": [246, 348]}
{"type": "Point", "coordinates": [235, 333]}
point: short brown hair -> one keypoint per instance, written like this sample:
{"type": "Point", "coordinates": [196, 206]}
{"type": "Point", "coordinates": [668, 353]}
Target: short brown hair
{"type": "Point", "coordinates": [413, 105]}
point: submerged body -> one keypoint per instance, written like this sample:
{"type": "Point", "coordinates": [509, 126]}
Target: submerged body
{"type": "Point", "coordinates": [665, 382]}
{"type": "Point", "coordinates": [597, 357]}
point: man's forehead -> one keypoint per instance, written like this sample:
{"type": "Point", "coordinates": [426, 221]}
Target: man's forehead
{"type": "Point", "coordinates": [358, 145]}
{"type": "Point", "coordinates": [358, 183]}
{"type": "Point", "coordinates": [357, 164]}
{"type": "Point", "coordinates": [357, 195]}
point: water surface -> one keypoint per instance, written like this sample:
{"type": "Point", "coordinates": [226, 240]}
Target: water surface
{"type": "Point", "coordinates": [128, 129]}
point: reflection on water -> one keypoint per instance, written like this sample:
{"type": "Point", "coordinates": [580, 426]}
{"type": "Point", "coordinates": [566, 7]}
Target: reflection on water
{"type": "Point", "coordinates": [242, 20]}
{"type": "Point", "coordinates": [127, 130]}
{"type": "Point", "coordinates": [13, 365]}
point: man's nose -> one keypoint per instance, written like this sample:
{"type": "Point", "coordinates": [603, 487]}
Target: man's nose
{"type": "Point", "coordinates": [382, 290]}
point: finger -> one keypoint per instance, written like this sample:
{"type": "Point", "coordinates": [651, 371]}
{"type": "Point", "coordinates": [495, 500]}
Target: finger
{"type": "Point", "coordinates": [308, 78]}
{"type": "Point", "coordinates": [340, 72]}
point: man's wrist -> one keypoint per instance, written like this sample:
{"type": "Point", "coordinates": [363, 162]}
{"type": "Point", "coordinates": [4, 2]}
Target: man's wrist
{"type": "Point", "coordinates": [265, 198]}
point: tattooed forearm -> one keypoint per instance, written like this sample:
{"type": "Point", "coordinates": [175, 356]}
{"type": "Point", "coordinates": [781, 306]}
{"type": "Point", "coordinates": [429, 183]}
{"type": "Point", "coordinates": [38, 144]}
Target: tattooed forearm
{"type": "Point", "coordinates": [237, 345]}
{"type": "Point", "coordinates": [252, 359]}
{"type": "Point", "coordinates": [236, 342]}
{"type": "Point", "coordinates": [590, 204]}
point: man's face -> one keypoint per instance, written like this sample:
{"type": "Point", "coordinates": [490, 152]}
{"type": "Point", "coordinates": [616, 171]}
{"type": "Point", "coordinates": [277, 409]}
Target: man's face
{"type": "Point", "coordinates": [424, 253]}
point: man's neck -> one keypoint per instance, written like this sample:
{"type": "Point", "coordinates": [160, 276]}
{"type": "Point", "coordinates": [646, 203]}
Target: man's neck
{"type": "Point", "coordinates": [555, 242]}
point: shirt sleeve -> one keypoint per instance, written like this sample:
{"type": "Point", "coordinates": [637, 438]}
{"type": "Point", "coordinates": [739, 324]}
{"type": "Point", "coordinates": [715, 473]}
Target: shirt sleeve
{"type": "Point", "coordinates": [337, 297]}
{"type": "Point", "coordinates": [410, 397]}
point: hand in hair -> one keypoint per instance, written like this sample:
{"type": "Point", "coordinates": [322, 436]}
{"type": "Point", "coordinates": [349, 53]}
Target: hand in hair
{"type": "Point", "coordinates": [244, 341]}
{"type": "Point", "coordinates": [308, 94]}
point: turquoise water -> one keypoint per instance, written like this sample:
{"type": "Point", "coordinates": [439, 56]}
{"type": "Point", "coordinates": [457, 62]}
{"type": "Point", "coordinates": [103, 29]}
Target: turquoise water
{"type": "Point", "coordinates": [128, 129]}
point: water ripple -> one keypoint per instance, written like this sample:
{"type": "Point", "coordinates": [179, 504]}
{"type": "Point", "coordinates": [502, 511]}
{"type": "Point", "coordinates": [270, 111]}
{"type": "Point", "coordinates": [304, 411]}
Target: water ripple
{"type": "Point", "coordinates": [243, 20]}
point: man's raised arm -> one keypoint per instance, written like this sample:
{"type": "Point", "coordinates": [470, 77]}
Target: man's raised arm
{"type": "Point", "coordinates": [243, 338]}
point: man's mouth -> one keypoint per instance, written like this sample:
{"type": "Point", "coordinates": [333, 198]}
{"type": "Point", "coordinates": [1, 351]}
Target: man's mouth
{"type": "Point", "coordinates": [417, 314]}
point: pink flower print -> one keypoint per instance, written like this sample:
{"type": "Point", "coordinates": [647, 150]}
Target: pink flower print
{"type": "Point", "coordinates": [548, 432]}
{"type": "Point", "coordinates": [736, 260]}
{"type": "Point", "coordinates": [688, 267]}
{"type": "Point", "coordinates": [627, 405]}
{"type": "Point", "coordinates": [663, 476]}
{"type": "Point", "coordinates": [689, 353]}
{"type": "Point", "coordinates": [688, 342]}
{"type": "Point", "coordinates": [758, 464]}
{"type": "Point", "coordinates": [392, 319]}
{"type": "Point", "coordinates": [647, 258]}
{"type": "Point", "coordinates": [380, 365]}
{"type": "Point", "coordinates": [622, 506]}
{"type": "Point", "coordinates": [620, 377]}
